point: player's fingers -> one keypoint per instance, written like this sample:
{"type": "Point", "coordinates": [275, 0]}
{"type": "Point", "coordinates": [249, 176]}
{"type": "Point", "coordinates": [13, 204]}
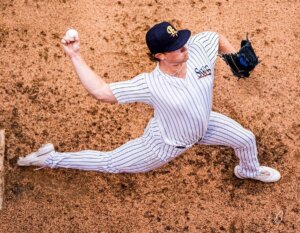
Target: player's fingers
{"type": "Point", "coordinates": [66, 40]}
{"type": "Point", "coordinates": [76, 38]}
{"type": "Point", "coordinates": [71, 39]}
{"type": "Point", "coordinates": [63, 41]}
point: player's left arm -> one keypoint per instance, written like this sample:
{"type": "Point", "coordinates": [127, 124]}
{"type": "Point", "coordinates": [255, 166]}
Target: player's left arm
{"type": "Point", "coordinates": [225, 46]}
{"type": "Point", "coordinates": [213, 43]}
{"type": "Point", "coordinates": [241, 62]}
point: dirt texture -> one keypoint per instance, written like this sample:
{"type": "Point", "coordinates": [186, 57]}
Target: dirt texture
{"type": "Point", "coordinates": [42, 100]}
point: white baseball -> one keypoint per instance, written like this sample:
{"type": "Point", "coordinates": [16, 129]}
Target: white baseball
{"type": "Point", "coordinates": [72, 34]}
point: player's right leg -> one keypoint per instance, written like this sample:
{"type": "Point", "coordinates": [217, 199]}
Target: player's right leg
{"type": "Point", "coordinates": [139, 155]}
{"type": "Point", "coordinates": [133, 156]}
{"type": "Point", "coordinates": [123, 159]}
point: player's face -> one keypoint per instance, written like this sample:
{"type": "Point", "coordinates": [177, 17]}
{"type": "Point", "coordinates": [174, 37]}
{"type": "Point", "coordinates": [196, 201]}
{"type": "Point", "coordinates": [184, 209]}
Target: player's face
{"type": "Point", "coordinates": [177, 56]}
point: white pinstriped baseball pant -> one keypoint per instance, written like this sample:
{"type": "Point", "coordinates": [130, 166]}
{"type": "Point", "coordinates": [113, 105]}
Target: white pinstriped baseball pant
{"type": "Point", "coordinates": [150, 151]}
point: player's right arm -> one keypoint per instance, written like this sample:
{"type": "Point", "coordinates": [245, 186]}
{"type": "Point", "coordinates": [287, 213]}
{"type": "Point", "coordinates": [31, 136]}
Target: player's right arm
{"type": "Point", "coordinates": [93, 83]}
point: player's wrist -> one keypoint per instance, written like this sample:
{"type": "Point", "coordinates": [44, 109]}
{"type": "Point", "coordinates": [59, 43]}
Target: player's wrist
{"type": "Point", "coordinates": [75, 56]}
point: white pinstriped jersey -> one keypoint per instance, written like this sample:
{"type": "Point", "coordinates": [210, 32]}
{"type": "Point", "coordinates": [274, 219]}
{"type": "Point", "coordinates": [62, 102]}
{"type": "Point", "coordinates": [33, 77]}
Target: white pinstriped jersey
{"type": "Point", "coordinates": [182, 107]}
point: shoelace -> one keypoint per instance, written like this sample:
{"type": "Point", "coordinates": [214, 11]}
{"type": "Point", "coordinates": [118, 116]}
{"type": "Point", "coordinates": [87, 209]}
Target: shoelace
{"type": "Point", "coordinates": [264, 173]}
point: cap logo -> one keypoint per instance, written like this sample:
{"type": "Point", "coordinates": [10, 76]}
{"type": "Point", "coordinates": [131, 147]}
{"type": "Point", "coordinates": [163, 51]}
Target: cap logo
{"type": "Point", "coordinates": [172, 31]}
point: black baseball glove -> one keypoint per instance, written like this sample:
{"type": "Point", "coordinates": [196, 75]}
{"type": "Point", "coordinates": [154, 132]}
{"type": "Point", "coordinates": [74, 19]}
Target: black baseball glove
{"type": "Point", "coordinates": [242, 62]}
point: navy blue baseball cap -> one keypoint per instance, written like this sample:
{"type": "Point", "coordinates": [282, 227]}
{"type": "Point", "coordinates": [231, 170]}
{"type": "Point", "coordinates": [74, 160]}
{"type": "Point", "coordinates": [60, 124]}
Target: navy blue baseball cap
{"type": "Point", "coordinates": [164, 37]}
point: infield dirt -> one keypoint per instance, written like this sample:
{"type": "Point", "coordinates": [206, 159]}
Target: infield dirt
{"type": "Point", "coordinates": [41, 100]}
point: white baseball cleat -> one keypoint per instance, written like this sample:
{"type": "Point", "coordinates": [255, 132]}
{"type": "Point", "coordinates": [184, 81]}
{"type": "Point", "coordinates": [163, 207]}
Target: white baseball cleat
{"type": "Point", "coordinates": [37, 158]}
{"type": "Point", "coordinates": [266, 174]}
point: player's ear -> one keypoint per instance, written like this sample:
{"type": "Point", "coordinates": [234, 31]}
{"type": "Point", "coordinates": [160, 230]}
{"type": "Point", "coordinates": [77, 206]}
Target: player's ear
{"type": "Point", "coordinates": [159, 56]}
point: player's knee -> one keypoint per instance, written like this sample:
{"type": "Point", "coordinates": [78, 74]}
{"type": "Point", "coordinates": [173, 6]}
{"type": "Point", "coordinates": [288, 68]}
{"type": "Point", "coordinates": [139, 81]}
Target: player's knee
{"type": "Point", "coordinates": [251, 137]}
{"type": "Point", "coordinates": [247, 139]}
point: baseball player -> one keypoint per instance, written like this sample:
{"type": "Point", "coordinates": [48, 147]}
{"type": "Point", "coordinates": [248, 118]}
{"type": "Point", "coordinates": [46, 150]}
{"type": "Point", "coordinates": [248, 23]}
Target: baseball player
{"type": "Point", "coordinates": [180, 89]}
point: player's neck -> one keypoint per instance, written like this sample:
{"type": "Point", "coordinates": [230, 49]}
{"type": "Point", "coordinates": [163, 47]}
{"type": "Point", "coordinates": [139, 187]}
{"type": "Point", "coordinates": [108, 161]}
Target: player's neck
{"type": "Point", "coordinates": [175, 70]}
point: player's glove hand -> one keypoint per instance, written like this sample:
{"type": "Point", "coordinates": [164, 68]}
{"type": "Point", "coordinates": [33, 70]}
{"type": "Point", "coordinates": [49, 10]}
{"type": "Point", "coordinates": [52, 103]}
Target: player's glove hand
{"type": "Point", "coordinates": [242, 62]}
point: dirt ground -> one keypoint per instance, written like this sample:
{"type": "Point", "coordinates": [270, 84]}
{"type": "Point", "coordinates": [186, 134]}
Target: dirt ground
{"type": "Point", "coordinates": [41, 100]}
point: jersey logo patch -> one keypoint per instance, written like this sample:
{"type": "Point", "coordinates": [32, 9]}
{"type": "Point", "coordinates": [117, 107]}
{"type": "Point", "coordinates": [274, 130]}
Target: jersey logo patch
{"type": "Point", "coordinates": [203, 71]}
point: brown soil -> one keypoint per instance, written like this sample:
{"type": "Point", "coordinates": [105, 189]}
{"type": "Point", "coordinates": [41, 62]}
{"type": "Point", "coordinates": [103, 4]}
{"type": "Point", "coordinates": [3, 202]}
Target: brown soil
{"type": "Point", "coordinates": [41, 100]}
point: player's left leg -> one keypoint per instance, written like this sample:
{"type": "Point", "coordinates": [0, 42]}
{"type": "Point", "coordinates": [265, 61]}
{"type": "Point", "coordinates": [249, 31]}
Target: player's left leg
{"type": "Point", "coordinates": [223, 130]}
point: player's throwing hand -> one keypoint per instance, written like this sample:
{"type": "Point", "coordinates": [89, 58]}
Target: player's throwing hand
{"type": "Point", "coordinates": [70, 42]}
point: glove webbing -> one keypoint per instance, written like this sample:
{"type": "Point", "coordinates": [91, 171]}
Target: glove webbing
{"type": "Point", "coordinates": [230, 58]}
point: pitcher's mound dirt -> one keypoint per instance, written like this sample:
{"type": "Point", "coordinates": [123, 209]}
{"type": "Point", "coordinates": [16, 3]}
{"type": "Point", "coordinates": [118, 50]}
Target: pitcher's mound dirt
{"type": "Point", "coordinates": [41, 100]}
